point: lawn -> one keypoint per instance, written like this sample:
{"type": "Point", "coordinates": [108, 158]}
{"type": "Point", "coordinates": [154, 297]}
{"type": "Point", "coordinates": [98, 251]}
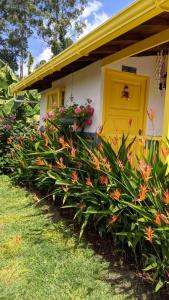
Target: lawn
{"type": "Point", "coordinates": [41, 259]}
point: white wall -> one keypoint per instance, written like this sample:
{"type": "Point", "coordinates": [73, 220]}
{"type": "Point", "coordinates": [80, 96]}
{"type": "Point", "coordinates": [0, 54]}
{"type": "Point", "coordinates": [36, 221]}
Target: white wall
{"type": "Point", "coordinates": [146, 66]}
{"type": "Point", "coordinates": [84, 84]}
{"type": "Point", "coordinates": [88, 83]}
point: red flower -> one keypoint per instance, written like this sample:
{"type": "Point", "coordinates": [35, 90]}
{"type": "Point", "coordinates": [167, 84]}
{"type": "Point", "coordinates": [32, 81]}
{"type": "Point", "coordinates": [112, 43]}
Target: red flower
{"type": "Point", "coordinates": [74, 177]}
{"type": "Point", "coordinates": [104, 180]}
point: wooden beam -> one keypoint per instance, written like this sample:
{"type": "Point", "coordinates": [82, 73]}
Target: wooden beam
{"type": "Point", "coordinates": [144, 45]}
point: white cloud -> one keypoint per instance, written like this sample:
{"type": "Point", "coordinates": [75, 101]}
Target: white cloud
{"type": "Point", "coordinates": [91, 8]}
{"type": "Point", "coordinates": [46, 54]}
{"type": "Point", "coordinates": [98, 18]}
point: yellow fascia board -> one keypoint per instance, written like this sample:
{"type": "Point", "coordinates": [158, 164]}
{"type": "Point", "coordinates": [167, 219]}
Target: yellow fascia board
{"type": "Point", "coordinates": [134, 15]}
{"type": "Point", "coordinates": [146, 44]}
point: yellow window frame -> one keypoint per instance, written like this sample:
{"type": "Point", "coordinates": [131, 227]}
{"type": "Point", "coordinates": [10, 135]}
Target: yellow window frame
{"type": "Point", "coordinates": [56, 97]}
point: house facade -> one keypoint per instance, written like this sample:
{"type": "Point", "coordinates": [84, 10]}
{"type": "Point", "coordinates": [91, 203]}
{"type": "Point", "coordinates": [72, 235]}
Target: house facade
{"type": "Point", "coordinates": [122, 66]}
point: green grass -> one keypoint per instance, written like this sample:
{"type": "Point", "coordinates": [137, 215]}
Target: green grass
{"type": "Point", "coordinates": [41, 259]}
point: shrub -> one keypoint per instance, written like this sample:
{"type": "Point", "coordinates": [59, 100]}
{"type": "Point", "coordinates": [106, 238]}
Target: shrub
{"type": "Point", "coordinates": [115, 191]}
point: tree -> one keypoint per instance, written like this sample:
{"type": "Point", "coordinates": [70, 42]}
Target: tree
{"type": "Point", "coordinates": [42, 62]}
{"type": "Point", "coordinates": [19, 19]}
{"type": "Point", "coordinates": [63, 22]}
{"type": "Point", "coordinates": [30, 63]}
{"type": "Point", "coordinates": [56, 21]}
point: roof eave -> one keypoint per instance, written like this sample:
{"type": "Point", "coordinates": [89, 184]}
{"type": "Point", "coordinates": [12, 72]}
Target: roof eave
{"type": "Point", "coordinates": [134, 15]}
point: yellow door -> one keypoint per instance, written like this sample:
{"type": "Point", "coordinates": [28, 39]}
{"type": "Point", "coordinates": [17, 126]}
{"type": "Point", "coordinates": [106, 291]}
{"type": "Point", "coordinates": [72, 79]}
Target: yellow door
{"type": "Point", "coordinates": [125, 103]}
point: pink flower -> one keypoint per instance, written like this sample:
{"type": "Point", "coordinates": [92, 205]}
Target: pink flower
{"type": "Point", "coordinates": [61, 110]}
{"type": "Point", "coordinates": [77, 110]}
{"type": "Point", "coordinates": [89, 101]}
{"type": "Point", "coordinates": [90, 111]}
{"type": "Point", "coordinates": [51, 114]}
{"type": "Point", "coordinates": [88, 122]}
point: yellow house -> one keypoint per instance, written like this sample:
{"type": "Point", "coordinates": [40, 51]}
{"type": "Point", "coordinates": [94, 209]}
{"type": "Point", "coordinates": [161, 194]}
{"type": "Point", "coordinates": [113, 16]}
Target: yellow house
{"type": "Point", "coordinates": [122, 66]}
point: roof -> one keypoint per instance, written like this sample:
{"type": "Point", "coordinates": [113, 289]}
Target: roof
{"type": "Point", "coordinates": [138, 21]}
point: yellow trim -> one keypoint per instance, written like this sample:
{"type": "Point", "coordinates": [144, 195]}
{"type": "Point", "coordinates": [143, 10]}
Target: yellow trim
{"type": "Point", "coordinates": [162, 6]}
{"type": "Point", "coordinates": [129, 18]}
{"type": "Point", "coordinates": [166, 108]}
{"type": "Point", "coordinates": [58, 93]}
{"type": "Point", "coordinates": [106, 73]}
{"type": "Point", "coordinates": [146, 44]}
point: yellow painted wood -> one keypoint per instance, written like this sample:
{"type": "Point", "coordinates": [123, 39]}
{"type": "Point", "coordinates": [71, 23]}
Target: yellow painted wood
{"type": "Point", "coordinates": [118, 111]}
{"type": "Point", "coordinates": [146, 44]}
{"type": "Point", "coordinates": [129, 18]}
{"type": "Point", "coordinates": [54, 97]}
{"type": "Point", "coordinates": [166, 108]}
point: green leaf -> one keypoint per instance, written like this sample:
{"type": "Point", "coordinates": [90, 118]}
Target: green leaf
{"type": "Point", "coordinates": [159, 285]}
{"type": "Point", "coordinates": [150, 267]}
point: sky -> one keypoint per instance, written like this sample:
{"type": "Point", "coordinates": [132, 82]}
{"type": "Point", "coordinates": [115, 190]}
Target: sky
{"type": "Point", "coordinates": [95, 13]}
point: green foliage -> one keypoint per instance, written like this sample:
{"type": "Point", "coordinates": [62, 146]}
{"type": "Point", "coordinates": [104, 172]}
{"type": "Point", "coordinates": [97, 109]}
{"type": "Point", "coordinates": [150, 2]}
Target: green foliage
{"type": "Point", "coordinates": [25, 105]}
{"type": "Point", "coordinates": [120, 195]}
{"type": "Point", "coordinates": [49, 20]}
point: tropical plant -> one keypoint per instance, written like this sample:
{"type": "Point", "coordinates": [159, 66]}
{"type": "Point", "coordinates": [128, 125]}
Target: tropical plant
{"type": "Point", "coordinates": [122, 196]}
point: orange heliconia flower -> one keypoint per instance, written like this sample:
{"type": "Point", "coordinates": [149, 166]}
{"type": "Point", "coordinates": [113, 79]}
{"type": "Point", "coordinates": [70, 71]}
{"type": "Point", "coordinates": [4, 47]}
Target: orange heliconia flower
{"type": "Point", "coordinates": [74, 177]}
{"type": "Point", "coordinates": [89, 182]}
{"type": "Point", "coordinates": [120, 164]}
{"type": "Point", "coordinates": [18, 146]}
{"type": "Point", "coordinates": [104, 180]}
{"type": "Point", "coordinates": [149, 233]}
{"type": "Point", "coordinates": [63, 143]}
{"type": "Point", "coordinates": [106, 164]}
{"type": "Point", "coordinates": [165, 153]}
{"type": "Point", "coordinates": [95, 162]}
{"type": "Point", "coordinates": [40, 162]}
{"type": "Point", "coordinates": [113, 219]}
{"type": "Point", "coordinates": [159, 217]}
{"type": "Point", "coordinates": [151, 114]}
{"type": "Point", "coordinates": [142, 193]}
{"type": "Point", "coordinates": [73, 152]}
{"type": "Point", "coordinates": [166, 197]}
{"type": "Point", "coordinates": [115, 140]}
{"type": "Point", "coordinates": [116, 195]}
{"type": "Point", "coordinates": [145, 170]}
{"type": "Point", "coordinates": [9, 140]}
{"type": "Point", "coordinates": [46, 141]}
{"type": "Point", "coordinates": [130, 157]}
{"type": "Point", "coordinates": [59, 164]}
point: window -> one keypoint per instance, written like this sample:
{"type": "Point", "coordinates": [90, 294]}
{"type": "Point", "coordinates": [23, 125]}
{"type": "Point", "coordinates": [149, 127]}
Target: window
{"type": "Point", "coordinates": [54, 99]}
